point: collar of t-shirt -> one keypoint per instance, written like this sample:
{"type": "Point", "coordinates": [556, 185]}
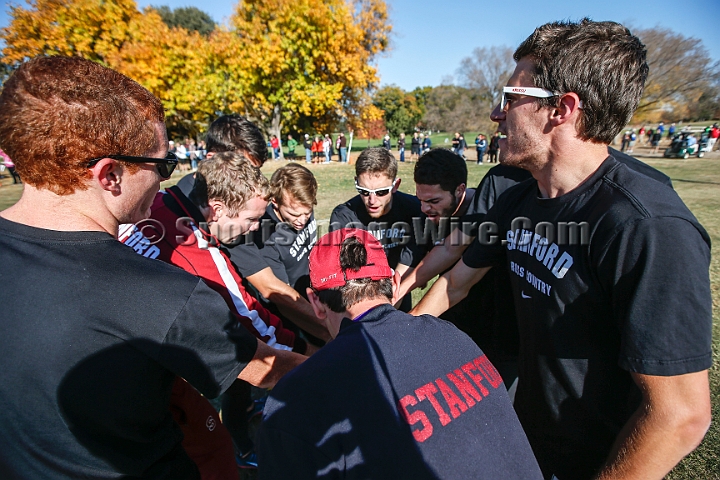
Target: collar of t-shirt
{"type": "Point", "coordinates": [372, 314]}
{"type": "Point", "coordinates": [398, 210]}
{"type": "Point", "coordinates": [592, 182]}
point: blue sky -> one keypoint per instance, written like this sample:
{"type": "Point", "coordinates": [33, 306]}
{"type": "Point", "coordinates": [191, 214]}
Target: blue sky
{"type": "Point", "coordinates": [432, 37]}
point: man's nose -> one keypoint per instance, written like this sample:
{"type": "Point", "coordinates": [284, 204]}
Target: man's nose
{"type": "Point", "coordinates": [498, 114]}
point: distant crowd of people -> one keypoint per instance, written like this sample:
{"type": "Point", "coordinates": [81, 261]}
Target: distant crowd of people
{"type": "Point", "coordinates": [653, 137]}
{"type": "Point", "coordinates": [567, 335]}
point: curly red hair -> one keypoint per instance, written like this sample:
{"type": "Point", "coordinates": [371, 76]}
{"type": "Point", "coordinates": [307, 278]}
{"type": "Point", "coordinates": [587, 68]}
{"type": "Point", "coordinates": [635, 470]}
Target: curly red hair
{"type": "Point", "coordinates": [56, 113]}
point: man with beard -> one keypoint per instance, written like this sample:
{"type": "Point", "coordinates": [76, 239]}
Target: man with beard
{"type": "Point", "coordinates": [440, 185]}
{"type": "Point", "coordinates": [615, 315]}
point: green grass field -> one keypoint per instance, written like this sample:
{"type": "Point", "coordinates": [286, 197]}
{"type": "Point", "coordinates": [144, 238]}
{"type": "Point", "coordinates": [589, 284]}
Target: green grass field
{"type": "Point", "coordinates": [697, 181]}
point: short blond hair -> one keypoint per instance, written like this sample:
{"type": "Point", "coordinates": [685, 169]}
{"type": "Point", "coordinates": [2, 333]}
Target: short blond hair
{"type": "Point", "coordinates": [295, 180]}
{"type": "Point", "coordinates": [230, 178]}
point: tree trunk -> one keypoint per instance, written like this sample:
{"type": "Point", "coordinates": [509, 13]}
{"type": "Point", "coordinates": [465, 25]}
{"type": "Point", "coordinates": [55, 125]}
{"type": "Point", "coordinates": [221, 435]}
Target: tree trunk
{"type": "Point", "coordinates": [276, 126]}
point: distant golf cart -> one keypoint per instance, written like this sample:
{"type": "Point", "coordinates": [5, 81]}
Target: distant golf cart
{"type": "Point", "coordinates": [679, 147]}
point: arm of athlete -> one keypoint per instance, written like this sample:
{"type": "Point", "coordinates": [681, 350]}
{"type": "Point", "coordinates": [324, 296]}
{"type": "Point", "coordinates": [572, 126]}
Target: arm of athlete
{"type": "Point", "coordinates": [289, 302]}
{"type": "Point", "coordinates": [269, 365]}
{"type": "Point", "coordinates": [403, 270]}
{"type": "Point", "coordinates": [439, 259]}
{"type": "Point", "coordinates": [449, 289]}
{"type": "Point", "coordinates": [669, 424]}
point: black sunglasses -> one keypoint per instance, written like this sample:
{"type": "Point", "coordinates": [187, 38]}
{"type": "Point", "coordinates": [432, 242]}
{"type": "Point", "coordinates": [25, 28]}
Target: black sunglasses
{"type": "Point", "coordinates": [165, 166]}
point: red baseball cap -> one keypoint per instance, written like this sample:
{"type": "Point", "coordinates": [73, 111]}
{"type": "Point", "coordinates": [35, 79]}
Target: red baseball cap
{"type": "Point", "coordinates": [325, 269]}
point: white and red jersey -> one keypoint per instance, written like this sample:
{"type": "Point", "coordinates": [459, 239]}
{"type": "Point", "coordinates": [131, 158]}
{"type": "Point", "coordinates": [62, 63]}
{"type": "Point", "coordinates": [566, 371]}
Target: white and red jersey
{"type": "Point", "coordinates": [176, 233]}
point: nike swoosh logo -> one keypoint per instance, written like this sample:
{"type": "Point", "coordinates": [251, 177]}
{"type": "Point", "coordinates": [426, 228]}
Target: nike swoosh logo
{"type": "Point", "coordinates": [522, 294]}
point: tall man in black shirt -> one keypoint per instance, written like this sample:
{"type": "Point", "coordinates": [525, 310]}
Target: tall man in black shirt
{"type": "Point", "coordinates": [487, 314]}
{"type": "Point", "coordinates": [92, 334]}
{"type": "Point", "coordinates": [382, 210]}
{"type": "Point", "coordinates": [614, 317]}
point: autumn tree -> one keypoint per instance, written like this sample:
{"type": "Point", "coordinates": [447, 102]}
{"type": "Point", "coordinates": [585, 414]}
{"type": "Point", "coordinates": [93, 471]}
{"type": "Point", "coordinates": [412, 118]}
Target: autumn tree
{"type": "Point", "coordinates": [282, 62]}
{"type": "Point", "coordinates": [92, 29]}
{"type": "Point", "coordinates": [306, 59]}
{"type": "Point", "coordinates": [182, 68]}
{"type": "Point", "coordinates": [401, 111]}
{"type": "Point", "coordinates": [680, 70]}
{"type": "Point", "coordinates": [178, 66]}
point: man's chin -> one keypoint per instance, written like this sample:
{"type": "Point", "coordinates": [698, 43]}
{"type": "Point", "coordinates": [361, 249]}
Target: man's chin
{"type": "Point", "coordinates": [374, 212]}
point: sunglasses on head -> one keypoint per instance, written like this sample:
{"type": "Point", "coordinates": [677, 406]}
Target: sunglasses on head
{"type": "Point", "coordinates": [379, 192]}
{"type": "Point", "coordinates": [528, 91]}
{"type": "Point", "coordinates": [165, 166]}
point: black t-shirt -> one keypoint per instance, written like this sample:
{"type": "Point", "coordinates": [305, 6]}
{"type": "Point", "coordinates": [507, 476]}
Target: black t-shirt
{"type": "Point", "coordinates": [246, 256]}
{"type": "Point", "coordinates": [91, 339]}
{"type": "Point", "coordinates": [630, 293]}
{"type": "Point", "coordinates": [286, 250]}
{"type": "Point", "coordinates": [394, 396]}
{"type": "Point", "coordinates": [393, 230]}
{"type": "Point", "coordinates": [486, 314]}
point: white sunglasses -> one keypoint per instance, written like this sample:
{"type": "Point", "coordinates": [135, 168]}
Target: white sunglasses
{"type": "Point", "coordinates": [379, 192]}
{"type": "Point", "coordinates": [530, 92]}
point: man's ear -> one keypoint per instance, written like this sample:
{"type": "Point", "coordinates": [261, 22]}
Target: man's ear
{"type": "Point", "coordinates": [395, 287]}
{"type": "Point", "coordinates": [217, 208]}
{"type": "Point", "coordinates": [568, 107]}
{"type": "Point", "coordinates": [460, 190]}
{"type": "Point", "coordinates": [109, 174]}
{"type": "Point", "coordinates": [397, 185]}
{"type": "Point", "coordinates": [318, 307]}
